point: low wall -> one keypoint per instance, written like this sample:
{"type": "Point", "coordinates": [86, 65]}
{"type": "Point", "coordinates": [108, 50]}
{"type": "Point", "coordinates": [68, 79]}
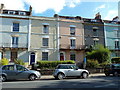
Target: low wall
{"type": "Point", "coordinates": [50, 71]}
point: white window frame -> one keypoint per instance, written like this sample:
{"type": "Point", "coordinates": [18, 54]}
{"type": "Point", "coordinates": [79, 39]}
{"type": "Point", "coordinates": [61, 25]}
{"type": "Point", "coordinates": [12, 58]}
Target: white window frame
{"type": "Point", "coordinates": [45, 31]}
{"type": "Point", "coordinates": [14, 28]}
{"type": "Point", "coordinates": [15, 41]}
{"type": "Point", "coordinates": [117, 44]}
{"type": "Point", "coordinates": [43, 42]}
{"type": "Point", "coordinates": [73, 53]}
{"type": "Point", "coordinates": [72, 43]}
{"type": "Point", "coordinates": [45, 56]}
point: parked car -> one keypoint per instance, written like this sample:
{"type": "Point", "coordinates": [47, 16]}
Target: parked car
{"type": "Point", "coordinates": [113, 69]}
{"type": "Point", "coordinates": [11, 72]}
{"type": "Point", "coordinates": [69, 70]}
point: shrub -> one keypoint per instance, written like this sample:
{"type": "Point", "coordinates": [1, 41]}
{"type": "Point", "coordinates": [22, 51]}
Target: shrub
{"type": "Point", "coordinates": [115, 60]}
{"type": "Point", "coordinates": [99, 53]}
{"type": "Point", "coordinates": [19, 61]}
{"type": "Point", "coordinates": [92, 64]}
{"type": "Point", "coordinates": [4, 61]}
{"type": "Point", "coordinates": [104, 64]}
{"type": "Point", "coordinates": [52, 64]}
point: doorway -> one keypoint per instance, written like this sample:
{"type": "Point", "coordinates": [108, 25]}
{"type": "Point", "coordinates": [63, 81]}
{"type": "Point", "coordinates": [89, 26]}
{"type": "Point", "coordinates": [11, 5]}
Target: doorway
{"type": "Point", "coordinates": [32, 58]}
{"type": "Point", "coordinates": [13, 56]}
{"type": "Point", "coordinates": [62, 57]}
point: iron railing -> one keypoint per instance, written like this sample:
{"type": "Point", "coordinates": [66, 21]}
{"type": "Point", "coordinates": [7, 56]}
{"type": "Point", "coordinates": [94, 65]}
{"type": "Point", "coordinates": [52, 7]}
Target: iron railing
{"type": "Point", "coordinates": [10, 45]}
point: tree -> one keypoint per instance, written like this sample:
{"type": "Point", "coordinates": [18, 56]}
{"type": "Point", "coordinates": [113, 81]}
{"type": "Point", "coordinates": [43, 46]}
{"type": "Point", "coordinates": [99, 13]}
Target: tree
{"type": "Point", "coordinates": [99, 53]}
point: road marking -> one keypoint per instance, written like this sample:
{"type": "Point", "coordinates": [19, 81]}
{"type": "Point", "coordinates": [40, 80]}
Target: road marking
{"type": "Point", "coordinates": [111, 84]}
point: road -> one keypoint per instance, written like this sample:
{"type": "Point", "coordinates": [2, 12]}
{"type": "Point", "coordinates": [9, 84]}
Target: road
{"type": "Point", "coordinates": [99, 81]}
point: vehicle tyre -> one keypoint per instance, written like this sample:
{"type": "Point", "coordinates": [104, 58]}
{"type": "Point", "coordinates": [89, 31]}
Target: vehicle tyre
{"type": "Point", "coordinates": [107, 74]}
{"type": "Point", "coordinates": [3, 78]}
{"type": "Point", "coordinates": [115, 74]}
{"type": "Point", "coordinates": [32, 77]}
{"type": "Point", "coordinates": [84, 75]}
{"type": "Point", "coordinates": [60, 76]}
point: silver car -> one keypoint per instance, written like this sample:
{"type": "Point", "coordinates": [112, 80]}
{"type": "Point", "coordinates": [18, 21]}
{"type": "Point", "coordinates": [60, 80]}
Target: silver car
{"type": "Point", "coordinates": [69, 70]}
{"type": "Point", "coordinates": [11, 72]}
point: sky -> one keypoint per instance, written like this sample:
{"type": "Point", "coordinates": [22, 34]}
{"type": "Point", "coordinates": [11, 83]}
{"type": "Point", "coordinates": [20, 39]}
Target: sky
{"type": "Point", "coordinates": [84, 8]}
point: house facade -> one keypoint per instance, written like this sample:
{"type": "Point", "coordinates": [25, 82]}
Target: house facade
{"type": "Point", "coordinates": [44, 39]}
{"type": "Point", "coordinates": [14, 28]}
{"type": "Point", "coordinates": [71, 38]}
{"type": "Point", "coordinates": [94, 31]}
{"type": "Point", "coordinates": [112, 37]}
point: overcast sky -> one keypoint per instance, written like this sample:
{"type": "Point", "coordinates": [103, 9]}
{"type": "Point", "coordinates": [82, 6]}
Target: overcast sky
{"type": "Point", "coordinates": [84, 8]}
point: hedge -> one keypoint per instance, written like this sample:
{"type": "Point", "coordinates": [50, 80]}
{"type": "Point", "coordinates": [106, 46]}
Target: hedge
{"type": "Point", "coordinates": [115, 60]}
{"type": "Point", "coordinates": [92, 63]}
{"type": "Point", "coordinates": [4, 61]}
{"type": "Point", "coordinates": [52, 64]}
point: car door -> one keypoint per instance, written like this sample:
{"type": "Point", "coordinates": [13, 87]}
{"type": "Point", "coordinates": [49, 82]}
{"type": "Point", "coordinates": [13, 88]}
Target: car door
{"type": "Point", "coordinates": [21, 72]}
{"type": "Point", "coordinates": [73, 71]}
{"type": "Point", "coordinates": [9, 70]}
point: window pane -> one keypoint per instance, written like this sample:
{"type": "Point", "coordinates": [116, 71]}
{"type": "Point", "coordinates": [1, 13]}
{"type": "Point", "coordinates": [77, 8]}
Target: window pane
{"type": "Point", "coordinates": [72, 43]}
{"type": "Point", "coordinates": [16, 27]}
{"type": "Point", "coordinates": [11, 67]}
{"type": "Point", "coordinates": [20, 68]}
{"type": "Point", "coordinates": [72, 30]}
{"type": "Point", "coordinates": [72, 56]}
{"type": "Point", "coordinates": [45, 29]}
{"type": "Point", "coordinates": [116, 44]}
{"type": "Point", "coordinates": [45, 41]}
{"type": "Point", "coordinates": [44, 55]}
{"type": "Point", "coordinates": [15, 40]}
{"type": "Point", "coordinates": [95, 32]}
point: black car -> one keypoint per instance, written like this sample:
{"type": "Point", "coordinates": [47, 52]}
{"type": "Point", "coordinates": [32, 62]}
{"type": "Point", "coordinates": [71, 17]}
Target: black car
{"type": "Point", "coordinates": [113, 69]}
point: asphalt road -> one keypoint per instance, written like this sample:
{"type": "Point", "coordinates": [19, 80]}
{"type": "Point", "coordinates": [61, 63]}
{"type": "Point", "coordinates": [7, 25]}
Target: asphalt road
{"type": "Point", "coordinates": [97, 81]}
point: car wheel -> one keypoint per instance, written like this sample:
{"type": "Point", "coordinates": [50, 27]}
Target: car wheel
{"type": "Point", "coordinates": [3, 78]}
{"type": "Point", "coordinates": [32, 77]}
{"type": "Point", "coordinates": [115, 74]}
{"type": "Point", "coordinates": [107, 74]}
{"type": "Point", "coordinates": [84, 75]}
{"type": "Point", "coordinates": [61, 76]}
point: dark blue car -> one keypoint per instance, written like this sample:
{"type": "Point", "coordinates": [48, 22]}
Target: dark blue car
{"type": "Point", "coordinates": [113, 69]}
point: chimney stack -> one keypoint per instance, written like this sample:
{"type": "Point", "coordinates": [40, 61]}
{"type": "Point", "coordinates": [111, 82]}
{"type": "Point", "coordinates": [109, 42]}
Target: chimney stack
{"type": "Point", "coordinates": [30, 10]}
{"type": "Point", "coordinates": [1, 8]}
{"type": "Point", "coordinates": [98, 16]}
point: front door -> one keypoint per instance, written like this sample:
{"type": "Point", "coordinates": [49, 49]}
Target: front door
{"type": "Point", "coordinates": [61, 56]}
{"type": "Point", "coordinates": [13, 55]}
{"type": "Point", "coordinates": [32, 58]}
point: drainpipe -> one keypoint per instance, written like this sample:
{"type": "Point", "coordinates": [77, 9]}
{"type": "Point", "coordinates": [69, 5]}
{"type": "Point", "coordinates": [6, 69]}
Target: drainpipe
{"type": "Point", "coordinates": [29, 36]}
{"type": "Point", "coordinates": [58, 36]}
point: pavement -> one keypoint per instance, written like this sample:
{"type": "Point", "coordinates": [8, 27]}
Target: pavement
{"type": "Point", "coordinates": [52, 77]}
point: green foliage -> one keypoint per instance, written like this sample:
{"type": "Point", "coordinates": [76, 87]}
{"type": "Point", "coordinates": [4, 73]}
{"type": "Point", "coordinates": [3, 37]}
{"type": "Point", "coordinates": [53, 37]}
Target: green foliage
{"type": "Point", "coordinates": [52, 64]}
{"type": "Point", "coordinates": [115, 60]}
{"type": "Point", "coordinates": [19, 61]}
{"type": "Point", "coordinates": [4, 61]}
{"type": "Point", "coordinates": [99, 53]}
{"type": "Point", "coordinates": [92, 64]}
{"type": "Point", "coordinates": [102, 65]}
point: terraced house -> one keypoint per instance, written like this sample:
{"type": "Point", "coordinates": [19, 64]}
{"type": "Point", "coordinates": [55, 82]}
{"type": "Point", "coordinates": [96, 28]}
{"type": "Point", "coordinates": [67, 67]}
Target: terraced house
{"type": "Point", "coordinates": [112, 36]}
{"type": "Point", "coordinates": [71, 38]}
{"type": "Point", "coordinates": [94, 31]}
{"type": "Point", "coordinates": [44, 39]}
{"type": "Point", "coordinates": [34, 38]}
{"type": "Point", "coordinates": [14, 29]}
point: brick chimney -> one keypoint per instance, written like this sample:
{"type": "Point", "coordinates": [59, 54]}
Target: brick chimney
{"type": "Point", "coordinates": [30, 10]}
{"type": "Point", "coordinates": [1, 8]}
{"type": "Point", "coordinates": [98, 16]}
